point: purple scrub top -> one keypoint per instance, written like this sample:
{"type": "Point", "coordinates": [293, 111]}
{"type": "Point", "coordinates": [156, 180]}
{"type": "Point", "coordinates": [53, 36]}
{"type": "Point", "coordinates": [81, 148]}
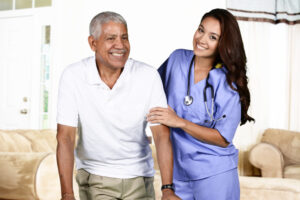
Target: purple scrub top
{"type": "Point", "coordinates": [194, 159]}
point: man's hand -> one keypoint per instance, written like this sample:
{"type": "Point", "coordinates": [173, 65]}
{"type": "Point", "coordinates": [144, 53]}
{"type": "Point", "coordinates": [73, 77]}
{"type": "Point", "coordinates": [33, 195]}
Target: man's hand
{"type": "Point", "coordinates": [168, 194]}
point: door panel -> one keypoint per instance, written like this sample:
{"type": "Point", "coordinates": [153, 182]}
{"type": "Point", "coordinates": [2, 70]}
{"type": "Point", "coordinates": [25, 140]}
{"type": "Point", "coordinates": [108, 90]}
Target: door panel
{"type": "Point", "coordinates": [16, 52]}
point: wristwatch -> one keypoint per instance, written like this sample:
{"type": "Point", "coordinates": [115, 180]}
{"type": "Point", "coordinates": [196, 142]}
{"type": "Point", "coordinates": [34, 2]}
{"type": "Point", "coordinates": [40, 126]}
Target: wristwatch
{"type": "Point", "coordinates": [168, 186]}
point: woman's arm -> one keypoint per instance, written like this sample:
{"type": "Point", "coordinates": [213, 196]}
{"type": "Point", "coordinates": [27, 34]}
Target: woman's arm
{"type": "Point", "coordinates": [168, 117]}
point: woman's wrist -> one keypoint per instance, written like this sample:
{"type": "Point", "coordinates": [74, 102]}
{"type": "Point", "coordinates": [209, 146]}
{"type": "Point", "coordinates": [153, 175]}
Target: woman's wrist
{"type": "Point", "coordinates": [181, 123]}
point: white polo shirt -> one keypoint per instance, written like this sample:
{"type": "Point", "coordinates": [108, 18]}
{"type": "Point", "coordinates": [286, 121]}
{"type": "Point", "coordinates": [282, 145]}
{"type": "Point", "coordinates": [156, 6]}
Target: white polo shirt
{"type": "Point", "coordinates": [112, 139]}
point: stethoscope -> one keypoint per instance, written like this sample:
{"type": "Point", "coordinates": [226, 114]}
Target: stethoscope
{"type": "Point", "coordinates": [188, 99]}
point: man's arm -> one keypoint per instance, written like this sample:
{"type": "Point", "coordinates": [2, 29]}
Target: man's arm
{"type": "Point", "coordinates": [65, 159]}
{"type": "Point", "coordinates": [161, 136]}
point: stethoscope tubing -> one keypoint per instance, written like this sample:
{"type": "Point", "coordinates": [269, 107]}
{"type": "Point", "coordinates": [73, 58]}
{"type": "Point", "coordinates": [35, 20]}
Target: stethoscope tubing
{"type": "Point", "coordinates": [188, 100]}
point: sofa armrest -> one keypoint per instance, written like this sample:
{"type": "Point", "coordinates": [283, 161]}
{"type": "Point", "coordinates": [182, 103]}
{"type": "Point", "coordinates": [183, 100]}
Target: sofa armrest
{"type": "Point", "coordinates": [34, 175]}
{"type": "Point", "coordinates": [27, 175]}
{"type": "Point", "coordinates": [268, 159]}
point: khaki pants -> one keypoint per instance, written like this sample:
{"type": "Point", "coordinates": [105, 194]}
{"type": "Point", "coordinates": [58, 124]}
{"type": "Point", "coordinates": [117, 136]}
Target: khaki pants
{"type": "Point", "coordinates": [93, 187]}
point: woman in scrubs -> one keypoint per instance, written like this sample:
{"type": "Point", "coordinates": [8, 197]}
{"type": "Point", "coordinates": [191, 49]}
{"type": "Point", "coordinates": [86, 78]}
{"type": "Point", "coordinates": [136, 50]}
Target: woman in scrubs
{"type": "Point", "coordinates": [205, 160]}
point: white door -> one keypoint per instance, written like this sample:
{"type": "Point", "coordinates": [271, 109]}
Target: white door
{"type": "Point", "coordinates": [16, 64]}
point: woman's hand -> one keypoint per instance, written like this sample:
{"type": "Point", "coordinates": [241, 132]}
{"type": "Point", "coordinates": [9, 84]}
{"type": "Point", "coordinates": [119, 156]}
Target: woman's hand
{"type": "Point", "coordinates": [166, 116]}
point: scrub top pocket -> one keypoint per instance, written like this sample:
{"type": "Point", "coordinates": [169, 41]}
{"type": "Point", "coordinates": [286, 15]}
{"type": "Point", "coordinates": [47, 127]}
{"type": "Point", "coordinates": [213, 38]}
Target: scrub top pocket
{"type": "Point", "coordinates": [198, 117]}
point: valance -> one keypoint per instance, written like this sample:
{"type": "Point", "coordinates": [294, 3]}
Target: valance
{"type": "Point", "coordinates": [273, 11]}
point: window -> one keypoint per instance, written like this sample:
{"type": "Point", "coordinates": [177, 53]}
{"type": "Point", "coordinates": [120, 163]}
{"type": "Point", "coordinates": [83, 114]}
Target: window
{"type": "Point", "coordinates": [45, 77]}
{"type": "Point", "coordinates": [6, 5]}
{"type": "Point", "coordinates": [22, 4]}
{"type": "Point", "coordinates": [42, 3]}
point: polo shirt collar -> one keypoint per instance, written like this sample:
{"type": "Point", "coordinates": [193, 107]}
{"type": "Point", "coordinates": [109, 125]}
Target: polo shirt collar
{"type": "Point", "coordinates": [93, 77]}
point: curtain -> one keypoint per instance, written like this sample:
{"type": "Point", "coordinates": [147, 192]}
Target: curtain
{"type": "Point", "coordinates": [273, 63]}
{"type": "Point", "coordinates": [273, 11]}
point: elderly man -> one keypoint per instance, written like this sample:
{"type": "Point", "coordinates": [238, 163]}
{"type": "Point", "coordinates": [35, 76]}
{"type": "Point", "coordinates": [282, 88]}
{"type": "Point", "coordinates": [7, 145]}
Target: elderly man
{"type": "Point", "coordinates": [107, 97]}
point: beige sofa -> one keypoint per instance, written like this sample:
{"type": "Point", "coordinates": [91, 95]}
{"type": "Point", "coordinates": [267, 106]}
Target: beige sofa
{"type": "Point", "coordinates": [278, 154]}
{"type": "Point", "coordinates": [277, 160]}
{"type": "Point", "coordinates": [28, 169]}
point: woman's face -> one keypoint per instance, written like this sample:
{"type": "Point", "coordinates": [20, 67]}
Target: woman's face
{"type": "Point", "coordinates": [206, 38]}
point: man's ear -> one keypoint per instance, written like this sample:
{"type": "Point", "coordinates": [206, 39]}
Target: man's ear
{"type": "Point", "coordinates": [92, 42]}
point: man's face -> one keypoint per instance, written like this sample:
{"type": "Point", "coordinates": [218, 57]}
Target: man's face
{"type": "Point", "coordinates": [112, 47]}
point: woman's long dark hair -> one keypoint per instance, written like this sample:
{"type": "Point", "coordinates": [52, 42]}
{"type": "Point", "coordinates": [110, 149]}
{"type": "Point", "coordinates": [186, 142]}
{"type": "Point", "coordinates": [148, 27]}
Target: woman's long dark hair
{"type": "Point", "coordinates": [232, 54]}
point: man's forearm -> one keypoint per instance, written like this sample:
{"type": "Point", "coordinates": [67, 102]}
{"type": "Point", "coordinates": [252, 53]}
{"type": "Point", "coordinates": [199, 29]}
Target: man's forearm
{"type": "Point", "coordinates": [164, 153]}
{"type": "Point", "coordinates": [65, 163]}
{"type": "Point", "coordinates": [165, 160]}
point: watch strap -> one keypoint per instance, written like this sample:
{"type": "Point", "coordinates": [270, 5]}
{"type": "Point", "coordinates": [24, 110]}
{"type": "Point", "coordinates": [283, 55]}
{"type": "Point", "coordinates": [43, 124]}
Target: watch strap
{"type": "Point", "coordinates": [168, 186]}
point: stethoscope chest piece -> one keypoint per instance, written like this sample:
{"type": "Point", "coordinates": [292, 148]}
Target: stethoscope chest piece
{"type": "Point", "coordinates": [188, 100]}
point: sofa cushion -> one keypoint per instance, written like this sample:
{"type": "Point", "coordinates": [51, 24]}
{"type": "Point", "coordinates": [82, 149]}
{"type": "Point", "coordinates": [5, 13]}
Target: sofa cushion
{"type": "Point", "coordinates": [14, 142]}
{"type": "Point", "coordinates": [292, 171]}
{"type": "Point", "coordinates": [41, 140]}
{"type": "Point", "coordinates": [258, 188]}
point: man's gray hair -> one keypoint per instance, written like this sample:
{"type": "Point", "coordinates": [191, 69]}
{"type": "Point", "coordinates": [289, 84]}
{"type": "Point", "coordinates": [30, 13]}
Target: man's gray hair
{"type": "Point", "coordinates": [102, 18]}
